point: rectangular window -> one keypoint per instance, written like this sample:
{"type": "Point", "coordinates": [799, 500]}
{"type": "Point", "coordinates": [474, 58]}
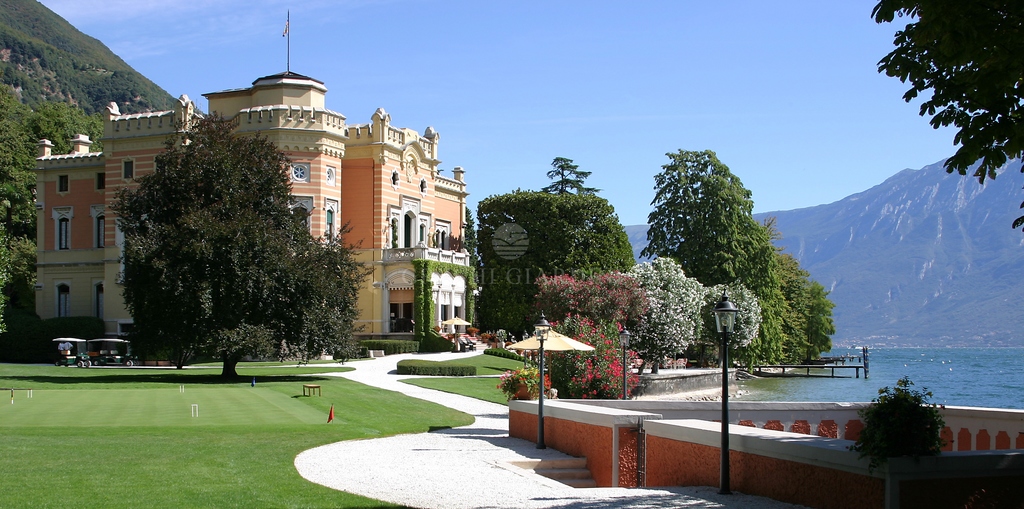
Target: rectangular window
{"type": "Point", "coordinates": [101, 181]}
{"type": "Point", "coordinates": [129, 169]}
{"type": "Point", "coordinates": [62, 183]}
{"type": "Point", "coordinates": [63, 233]}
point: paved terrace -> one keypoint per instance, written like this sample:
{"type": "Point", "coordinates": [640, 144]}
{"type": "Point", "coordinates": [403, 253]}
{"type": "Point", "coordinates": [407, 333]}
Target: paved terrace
{"type": "Point", "coordinates": [468, 467]}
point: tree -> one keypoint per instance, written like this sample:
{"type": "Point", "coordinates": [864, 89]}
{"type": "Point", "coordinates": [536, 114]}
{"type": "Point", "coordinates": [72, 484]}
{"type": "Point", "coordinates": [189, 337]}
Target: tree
{"type": "Point", "coordinates": [703, 219]}
{"type": "Point", "coordinates": [17, 161]}
{"type": "Point", "coordinates": [524, 235]}
{"type": "Point", "coordinates": [5, 267]}
{"type": "Point", "coordinates": [215, 262]}
{"type": "Point", "coordinates": [745, 338]}
{"type": "Point", "coordinates": [568, 178]}
{"type": "Point", "coordinates": [967, 56]}
{"type": "Point", "coordinates": [671, 321]}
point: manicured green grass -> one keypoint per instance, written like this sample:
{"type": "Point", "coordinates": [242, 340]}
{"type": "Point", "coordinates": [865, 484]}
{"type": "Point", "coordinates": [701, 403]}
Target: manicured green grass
{"type": "Point", "coordinates": [479, 388]}
{"type": "Point", "coordinates": [487, 364]}
{"type": "Point", "coordinates": [126, 438]}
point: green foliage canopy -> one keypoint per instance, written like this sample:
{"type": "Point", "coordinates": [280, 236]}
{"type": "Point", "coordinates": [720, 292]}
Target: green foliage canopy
{"type": "Point", "coordinates": [564, 233]}
{"type": "Point", "coordinates": [901, 422]}
{"type": "Point", "coordinates": [215, 262]}
{"type": "Point", "coordinates": [966, 56]}
{"type": "Point", "coordinates": [703, 219]}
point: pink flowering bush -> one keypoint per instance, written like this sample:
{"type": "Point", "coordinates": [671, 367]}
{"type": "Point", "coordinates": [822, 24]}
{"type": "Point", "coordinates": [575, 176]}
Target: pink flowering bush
{"type": "Point", "coordinates": [612, 298]}
{"type": "Point", "coordinates": [590, 375]}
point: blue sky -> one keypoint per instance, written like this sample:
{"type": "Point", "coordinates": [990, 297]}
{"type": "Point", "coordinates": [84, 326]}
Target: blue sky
{"type": "Point", "coordinates": [787, 93]}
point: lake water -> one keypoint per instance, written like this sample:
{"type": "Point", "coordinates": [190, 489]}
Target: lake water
{"type": "Point", "coordinates": [980, 377]}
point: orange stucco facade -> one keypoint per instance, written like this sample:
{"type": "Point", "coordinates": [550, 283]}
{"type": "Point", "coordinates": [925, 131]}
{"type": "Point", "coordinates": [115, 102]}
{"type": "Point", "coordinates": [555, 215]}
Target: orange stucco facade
{"type": "Point", "coordinates": [384, 183]}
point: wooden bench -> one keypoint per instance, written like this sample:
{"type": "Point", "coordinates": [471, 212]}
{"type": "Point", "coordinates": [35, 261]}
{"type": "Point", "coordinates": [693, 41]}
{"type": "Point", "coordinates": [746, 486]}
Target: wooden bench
{"type": "Point", "coordinates": [309, 389]}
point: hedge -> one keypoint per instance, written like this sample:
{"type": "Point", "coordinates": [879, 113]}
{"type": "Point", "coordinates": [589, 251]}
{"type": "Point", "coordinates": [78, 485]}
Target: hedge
{"type": "Point", "coordinates": [501, 352]}
{"type": "Point", "coordinates": [390, 346]}
{"type": "Point", "coordinates": [433, 343]}
{"type": "Point", "coordinates": [434, 368]}
{"type": "Point", "coordinates": [29, 339]}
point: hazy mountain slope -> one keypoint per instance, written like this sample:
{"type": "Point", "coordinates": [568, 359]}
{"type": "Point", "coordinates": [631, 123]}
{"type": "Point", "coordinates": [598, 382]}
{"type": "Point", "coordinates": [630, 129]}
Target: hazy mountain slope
{"type": "Point", "coordinates": [924, 258]}
{"type": "Point", "coordinates": [45, 58]}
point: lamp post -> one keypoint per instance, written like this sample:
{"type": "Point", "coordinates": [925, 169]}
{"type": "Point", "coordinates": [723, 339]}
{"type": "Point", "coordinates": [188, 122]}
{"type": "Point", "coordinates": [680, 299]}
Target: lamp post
{"type": "Point", "coordinates": [541, 328]}
{"type": "Point", "coordinates": [725, 319]}
{"type": "Point", "coordinates": [624, 338]}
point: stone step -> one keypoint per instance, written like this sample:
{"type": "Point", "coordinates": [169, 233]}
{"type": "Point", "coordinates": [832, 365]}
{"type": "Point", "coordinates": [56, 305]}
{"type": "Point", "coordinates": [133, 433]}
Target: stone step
{"type": "Point", "coordinates": [560, 474]}
{"type": "Point", "coordinates": [572, 472]}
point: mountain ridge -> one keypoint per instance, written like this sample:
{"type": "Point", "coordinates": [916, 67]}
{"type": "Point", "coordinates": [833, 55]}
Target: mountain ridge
{"type": "Point", "coordinates": [923, 259]}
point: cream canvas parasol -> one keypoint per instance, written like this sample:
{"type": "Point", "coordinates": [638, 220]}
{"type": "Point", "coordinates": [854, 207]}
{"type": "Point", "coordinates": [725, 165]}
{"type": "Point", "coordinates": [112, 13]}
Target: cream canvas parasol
{"type": "Point", "coordinates": [554, 342]}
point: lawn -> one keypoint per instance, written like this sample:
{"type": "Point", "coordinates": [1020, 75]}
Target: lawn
{"type": "Point", "coordinates": [479, 388]}
{"type": "Point", "coordinates": [127, 438]}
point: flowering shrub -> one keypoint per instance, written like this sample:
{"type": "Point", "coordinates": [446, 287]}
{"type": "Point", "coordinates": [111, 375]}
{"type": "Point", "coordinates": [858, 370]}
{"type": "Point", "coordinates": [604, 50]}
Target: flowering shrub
{"type": "Point", "coordinates": [590, 375]}
{"type": "Point", "coordinates": [613, 297]}
{"type": "Point", "coordinates": [528, 376]}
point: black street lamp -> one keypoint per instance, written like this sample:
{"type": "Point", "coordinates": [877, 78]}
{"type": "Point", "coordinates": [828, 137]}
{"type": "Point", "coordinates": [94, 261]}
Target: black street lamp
{"type": "Point", "coordinates": [725, 319]}
{"type": "Point", "coordinates": [624, 338]}
{"type": "Point", "coordinates": [541, 328]}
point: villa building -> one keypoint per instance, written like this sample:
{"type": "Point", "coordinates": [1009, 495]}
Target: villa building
{"type": "Point", "coordinates": [384, 182]}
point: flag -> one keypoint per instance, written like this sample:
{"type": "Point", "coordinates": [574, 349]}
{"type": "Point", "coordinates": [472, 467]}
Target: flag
{"type": "Point", "coordinates": [330, 416]}
{"type": "Point", "coordinates": [286, 23]}
{"type": "Point", "coordinates": [253, 382]}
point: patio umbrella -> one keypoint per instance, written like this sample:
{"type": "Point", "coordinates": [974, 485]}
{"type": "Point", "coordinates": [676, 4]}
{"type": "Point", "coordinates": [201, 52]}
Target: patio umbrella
{"type": "Point", "coordinates": [455, 321]}
{"type": "Point", "coordinates": [555, 342]}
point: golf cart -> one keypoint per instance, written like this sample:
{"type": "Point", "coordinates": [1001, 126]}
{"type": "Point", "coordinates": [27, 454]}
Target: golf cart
{"type": "Point", "coordinates": [71, 352]}
{"type": "Point", "coordinates": [107, 352]}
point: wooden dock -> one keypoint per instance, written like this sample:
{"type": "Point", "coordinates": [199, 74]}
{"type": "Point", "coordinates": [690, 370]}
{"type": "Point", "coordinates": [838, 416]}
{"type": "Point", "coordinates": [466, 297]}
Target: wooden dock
{"type": "Point", "coordinates": [791, 370]}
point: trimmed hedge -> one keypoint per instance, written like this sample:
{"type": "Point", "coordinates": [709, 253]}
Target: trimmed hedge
{"type": "Point", "coordinates": [434, 368]}
{"type": "Point", "coordinates": [390, 346]}
{"type": "Point", "coordinates": [501, 352]}
{"type": "Point", "coordinates": [434, 343]}
{"type": "Point", "coordinates": [29, 339]}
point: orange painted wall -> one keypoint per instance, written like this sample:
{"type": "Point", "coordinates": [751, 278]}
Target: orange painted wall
{"type": "Point", "coordinates": [583, 440]}
{"type": "Point", "coordinates": [674, 463]}
{"type": "Point", "coordinates": [357, 203]}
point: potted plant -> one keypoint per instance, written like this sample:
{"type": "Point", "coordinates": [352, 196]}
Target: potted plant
{"type": "Point", "coordinates": [523, 383]}
{"type": "Point", "coordinates": [472, 331]}
{"type": "Point", "coordinates": [901, 422]}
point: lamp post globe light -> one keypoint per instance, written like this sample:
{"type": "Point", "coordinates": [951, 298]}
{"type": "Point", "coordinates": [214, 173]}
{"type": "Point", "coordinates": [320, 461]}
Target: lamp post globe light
{"type": "Point", "coordinates": [725, 319]}
{"type": "Point", "coordinates": [541, 328]}
{"type": "Point", "coordinates": [624, 338]}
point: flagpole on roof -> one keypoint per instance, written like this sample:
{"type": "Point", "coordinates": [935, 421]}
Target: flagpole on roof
{"type": "Point", "coordinates": [288, 34]}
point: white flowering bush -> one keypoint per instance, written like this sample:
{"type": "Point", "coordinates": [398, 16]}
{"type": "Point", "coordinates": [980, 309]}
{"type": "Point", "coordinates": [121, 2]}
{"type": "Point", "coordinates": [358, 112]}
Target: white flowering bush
{"type": "Point", "coordinates": [672, 321]}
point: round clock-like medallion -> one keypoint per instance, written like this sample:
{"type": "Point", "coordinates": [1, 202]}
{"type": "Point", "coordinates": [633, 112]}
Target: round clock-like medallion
{"type": "Point", "coordinates": [299, 172]}
{"type": "Point", "coordinates": [330, 176]}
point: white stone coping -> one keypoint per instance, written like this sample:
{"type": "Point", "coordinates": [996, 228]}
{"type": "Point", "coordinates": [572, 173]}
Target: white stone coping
{"type": "Point", "coordinates": [823, 452]}
{"type": "Point", "coordinates": [585, 414]}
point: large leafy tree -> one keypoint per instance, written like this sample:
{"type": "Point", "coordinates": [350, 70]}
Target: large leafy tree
{"type": "Point", "coordinates": [568, 178]}
{"type": "Point", "coordinates": [524, 235]}
{"type": "Point", "coordinates": [703, 219]}
{"type": "Point", "coordinates": [216, 263]}
{"type": "Point", "coordinates": [967, 57]}
{"type": "Point", "coordinates": [672, 320]}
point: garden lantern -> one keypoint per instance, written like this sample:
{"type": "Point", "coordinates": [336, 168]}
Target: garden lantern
{"type": "Point", "coordinates": [624, 338]}
{"type": "Point", "coordinates": [725, 320]}
{"type": "Point", "coordinates": [541, 328]}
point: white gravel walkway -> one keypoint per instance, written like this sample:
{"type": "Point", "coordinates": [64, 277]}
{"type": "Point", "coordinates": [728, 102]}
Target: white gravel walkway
{"type": "Point", "coordinates": [468, 467]}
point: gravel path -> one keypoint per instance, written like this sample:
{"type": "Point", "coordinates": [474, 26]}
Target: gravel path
{"type": "Point", "coordinates": [468, 467]}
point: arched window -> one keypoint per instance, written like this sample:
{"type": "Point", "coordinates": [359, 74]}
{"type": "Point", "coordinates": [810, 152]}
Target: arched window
{"type": "Point", "coordinates": [394, 233]}
{"type": "Point", "coordinates": [330, 223]}
{"type": "Point", "coordinates": [63, 300]}
{"type": "Point", "coordinates": [423, 232]}
{"type": "Point", "coordinates": [444, 240]}
{"type": "Point", "coordinates": [64, 233]}
{"type": "Point", "coordinates": [408, 230]}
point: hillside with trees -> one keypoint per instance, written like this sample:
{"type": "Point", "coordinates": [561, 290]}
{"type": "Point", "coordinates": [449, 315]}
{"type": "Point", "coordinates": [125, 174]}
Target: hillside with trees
{"type": "Point", "coordinates": [43, 58]}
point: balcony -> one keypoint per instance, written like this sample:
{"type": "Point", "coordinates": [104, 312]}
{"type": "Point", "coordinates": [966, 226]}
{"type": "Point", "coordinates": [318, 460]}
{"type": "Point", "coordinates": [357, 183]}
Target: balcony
{"type": "Point", "coordinates": [409, 254]}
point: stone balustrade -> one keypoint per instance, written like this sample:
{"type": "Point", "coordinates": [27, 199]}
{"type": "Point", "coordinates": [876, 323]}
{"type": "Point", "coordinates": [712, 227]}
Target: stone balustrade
{"type": "Point", "coordinates": [425, 253]}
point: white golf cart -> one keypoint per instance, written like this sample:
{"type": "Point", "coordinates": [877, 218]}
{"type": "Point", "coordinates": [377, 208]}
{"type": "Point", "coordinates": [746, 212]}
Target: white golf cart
{"type": "Point", "coordinates": [71, 352]}
{"type": "Point", "coordinates": [111, 352]}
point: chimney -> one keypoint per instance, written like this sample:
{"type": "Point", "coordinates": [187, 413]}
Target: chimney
{"type": "Point", "coordinates": [80, 144]}
{"type": "Point", "coordinates": [45, 148]}
{"type": "Point", "coordinates": [458, 172]}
